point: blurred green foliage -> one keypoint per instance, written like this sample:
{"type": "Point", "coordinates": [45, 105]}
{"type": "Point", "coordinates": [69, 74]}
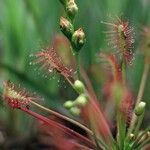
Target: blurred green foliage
{"type": "Point", "coordinates": [28, 25]}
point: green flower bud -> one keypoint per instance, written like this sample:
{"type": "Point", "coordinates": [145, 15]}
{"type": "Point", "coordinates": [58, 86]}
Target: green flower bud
{"type": "Point", "coordinates": [68, 104]}
{"type": "Point", "coordinates": [66, 27]}
{"type": "Point", "coordinates": [139, 110]}
{"type": "Point", "coordinates": [78, 39]}
{"type": "Point", "coordinates": [131, 136]}
{"type": "Point", "coordinates": [79, 86]}
{"type": "Point", "coordinates": [75, 111]}
{"type": "Point", "coordinates": [81, 100]}
{"type": "Point", "coordinates": [71, 9]}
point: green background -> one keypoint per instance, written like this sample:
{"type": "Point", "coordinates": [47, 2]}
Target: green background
{"type": "Point", "coordinates": [28, 25]}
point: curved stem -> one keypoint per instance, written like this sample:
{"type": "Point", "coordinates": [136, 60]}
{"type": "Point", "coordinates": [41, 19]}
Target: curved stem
{"type": "Point", "coordinates": [85, 140]}
{"type": "Point", "coordinates": [63, 117]}
{"type": "Point", "coordinates": [140, 94]}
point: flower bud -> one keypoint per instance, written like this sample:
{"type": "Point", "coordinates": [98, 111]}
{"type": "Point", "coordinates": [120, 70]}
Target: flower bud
{"type": "Point", "coordinates": [71, 9]}
{"type": "Point", "coordinates": [139, 110]}
{"type": "Point", "coordinates": [79, 86]}
{"type": "Point", "coordinates": [81, 100]}
{"type": "Point", "coordinates": [75, 111]}
{"type": "Point", "coordinates": [78, 39]}
{"type": "Point", "coordinates": [66, 27]}
{"type": "Point", "coordinates": [131, 136]}
{"type": "Point", "coordinates": [68, 104]}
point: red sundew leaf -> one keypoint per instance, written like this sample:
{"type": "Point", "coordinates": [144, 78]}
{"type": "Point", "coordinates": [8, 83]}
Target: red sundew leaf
{"type": "Point", "coordinates": [112, 61]}
{"type": "Point", "coordinates": [126, 106]}
{"type": "Point", "coordinates": [49, 60]}
{"type": "Point", "coordinates": [84, 140]}
{"type": "Point", "coordinates": [52, 136]}
{"type": "Point", "coordinates": [93, 108]}
{"type": "Point", "coordinates": [120, 37]}
{"type": "Point", "coordinates": [15, 97]}
{"type": "Point", "coordinates": [93, 116]}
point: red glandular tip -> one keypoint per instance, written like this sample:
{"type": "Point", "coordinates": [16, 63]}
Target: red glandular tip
{"type": "Point", "coordinates": [49, 60]}
{"type": "Point", "coordinates": [15, 97]}
{"type": "Point", "coordinates": [121, 38]}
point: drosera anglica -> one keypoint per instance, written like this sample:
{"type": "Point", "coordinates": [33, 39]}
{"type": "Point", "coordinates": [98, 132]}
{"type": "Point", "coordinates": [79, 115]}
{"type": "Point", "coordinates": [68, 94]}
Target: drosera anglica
{"type": "Point", "coordinates": [121, 38]}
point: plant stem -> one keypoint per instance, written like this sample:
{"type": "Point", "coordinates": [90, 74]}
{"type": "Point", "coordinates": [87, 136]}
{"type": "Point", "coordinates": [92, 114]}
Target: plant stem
{"type": "Point", "coordinates": [143, 83]}
{"type": "Point", "coordinates": [138, 124]}
{"type": "Point", "coordinates": [140, 94]}
{"type": "Point", "coordinates": [78, 64]}
{"type": "Point", "coordinates": [147, 141]}
{"type": "Point", "coordinates": [140, 137]}
{"type": "Point", "coordinates": [67, 130]}
{"type": "Point", "coordinates": [63, 117]}
{"type": "Point", "coordinates": [121, 127]}
{"type": "Point", "coordinates": [121, 121]}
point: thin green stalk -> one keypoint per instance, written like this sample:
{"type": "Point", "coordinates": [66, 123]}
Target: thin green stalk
{"type": "Point", "coordinates": [78, 64]}
{"type": "Point", "coordinates": [138, 124]}
{"type": "Point", "coordinates": [121, 125]}
{"type": "Point", "coordinates": [140, 95]}
{"type": "Point", "coordinates": [121, 121]}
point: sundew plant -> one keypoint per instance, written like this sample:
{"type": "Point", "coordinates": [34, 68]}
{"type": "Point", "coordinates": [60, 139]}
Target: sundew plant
{"type": "Point", "coordinates": [116, 123]}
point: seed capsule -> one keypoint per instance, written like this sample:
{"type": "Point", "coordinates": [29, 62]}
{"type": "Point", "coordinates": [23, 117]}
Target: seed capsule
{"type": "Point", "coordinates": [139, 110]}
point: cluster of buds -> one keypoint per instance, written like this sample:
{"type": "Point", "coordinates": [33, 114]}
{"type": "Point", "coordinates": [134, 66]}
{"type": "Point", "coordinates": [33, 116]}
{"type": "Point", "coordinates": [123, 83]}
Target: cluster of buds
{"type": "Point", "coordinates": [79, 102]}
{"type": "Point", "coordinates": [76, 38]}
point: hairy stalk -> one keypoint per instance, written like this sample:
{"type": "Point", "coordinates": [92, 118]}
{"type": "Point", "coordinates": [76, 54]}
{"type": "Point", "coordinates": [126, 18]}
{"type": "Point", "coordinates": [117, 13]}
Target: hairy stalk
{"type": "Point", "coordinates": [140, 94]}
{"type": "Point", "coordinates": [68, 131]}
{"type": "Point", "coordinates": [63, 117]}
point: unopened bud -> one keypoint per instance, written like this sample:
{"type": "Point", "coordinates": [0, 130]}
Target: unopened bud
{"type": "Point", "coordinates": [81, 100]}
{"type": "Point", "coordinates": [131, 136]}
{"type": "Point", "coordinates": [139, 110]}
{"type": "Point", "coordinates": [75, 111]}
{"type": "Point", "coordinates": [71, 9]}
{"type": "Point", "coordinates": [68, 104]}
{"type": "Point", "coordinates": [78, 39]}
{"type": "Point", "coordinates": [79, 86]}
{"type": "Point", "coordinates": [66, 27]}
